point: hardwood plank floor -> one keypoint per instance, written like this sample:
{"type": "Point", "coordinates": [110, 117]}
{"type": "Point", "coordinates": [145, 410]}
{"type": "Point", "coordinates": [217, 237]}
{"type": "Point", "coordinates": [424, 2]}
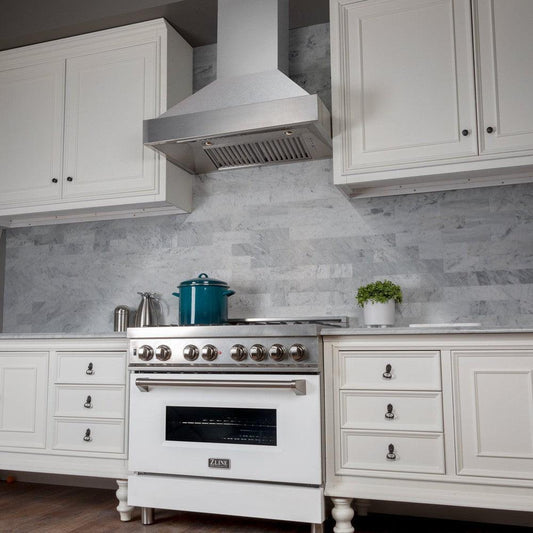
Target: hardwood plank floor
{"type": "Point", "coordinates": [31, 507]}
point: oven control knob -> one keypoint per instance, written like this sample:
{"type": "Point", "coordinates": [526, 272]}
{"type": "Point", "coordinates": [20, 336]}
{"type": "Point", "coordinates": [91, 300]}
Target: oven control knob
{"type": "Point", "coordinates": [163, 352]}
{"type": "Point", "coordinates": [190, 352]}
{"type": "Point", "coordinates": [297, 352]}
{"type": "Point", "coordinates": [258, 352]}
{"type": "Point", "coordinates": [209, 352]}
{"type": "Point", "coordinates": [145, 352]}
{"type": "Point", "coordinates": [238, 352]}
{"type": "Point", "coordinates": [277, 352]}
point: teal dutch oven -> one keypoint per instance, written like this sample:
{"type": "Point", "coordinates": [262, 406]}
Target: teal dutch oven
{"type": "Point", "coordinates": [203, 301]}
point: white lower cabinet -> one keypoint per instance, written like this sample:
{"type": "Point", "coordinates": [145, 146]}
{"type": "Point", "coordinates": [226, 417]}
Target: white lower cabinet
{"type": "Point", "coordinates": [63, 408]}
{"type": "Point", "coordinates": [438, 419]}
{"type": "Point", "coordinates": [23, 394]}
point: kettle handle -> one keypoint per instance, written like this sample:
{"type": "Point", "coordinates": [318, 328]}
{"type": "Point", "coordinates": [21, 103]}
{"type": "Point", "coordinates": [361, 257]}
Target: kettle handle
{"type": "Point", "coordinates": [228, 293]}
{"type": "Point", "coordinates": [176, 294]}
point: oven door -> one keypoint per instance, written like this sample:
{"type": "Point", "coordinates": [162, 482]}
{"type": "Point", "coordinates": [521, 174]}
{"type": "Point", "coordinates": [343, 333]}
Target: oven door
{"type": "Point", "coordinates": [251, 427]}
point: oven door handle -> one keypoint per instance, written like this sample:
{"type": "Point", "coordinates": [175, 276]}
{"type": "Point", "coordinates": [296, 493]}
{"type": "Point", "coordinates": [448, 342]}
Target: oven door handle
{"type": "Point", "coordinates": [296, 385]}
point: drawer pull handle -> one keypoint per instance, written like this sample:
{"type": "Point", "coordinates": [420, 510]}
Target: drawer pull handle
{"type": "Point", "coordinates": [389, 414]}
{"type": "Point", "coordinates": [391, 455]}
{"type": "Point", "coordinates": [387, 374]}
{"type": "Point", "coordinates": [88, 403]}
{"type": "Point", "coordinates": [90, 369]}
{"type": "Point", "coordinates": [88, 437]}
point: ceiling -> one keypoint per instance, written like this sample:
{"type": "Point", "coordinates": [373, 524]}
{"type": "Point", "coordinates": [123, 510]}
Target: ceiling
{"type": "Point", "coordinates": [32, 21]}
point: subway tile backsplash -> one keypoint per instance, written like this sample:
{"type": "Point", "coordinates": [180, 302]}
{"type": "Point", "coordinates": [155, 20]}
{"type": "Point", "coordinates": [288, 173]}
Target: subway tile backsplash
{"type": "Point", "coordinates": [287, 241]}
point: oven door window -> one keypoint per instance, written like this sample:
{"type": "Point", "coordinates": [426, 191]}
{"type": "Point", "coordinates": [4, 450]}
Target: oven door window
{"type": "Point", "coordinates": [221, 425]}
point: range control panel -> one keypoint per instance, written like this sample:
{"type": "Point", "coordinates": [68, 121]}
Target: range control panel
{"type": "Point", "coordinates": [236, 354]}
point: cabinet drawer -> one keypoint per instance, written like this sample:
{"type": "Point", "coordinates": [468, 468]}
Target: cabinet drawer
{"type": "Point", "coordinates": [91, 367]}
{"type": "Point", "coordinates": [412, 452]}
{"type": "Point", "coordinates": [412, 411]}
{"type": "Point", "coordinates": [390, 370]}
{"type": "Point", "coordinates": [89, 435]}
{"type": "Point", "coordinates": [96, 401]}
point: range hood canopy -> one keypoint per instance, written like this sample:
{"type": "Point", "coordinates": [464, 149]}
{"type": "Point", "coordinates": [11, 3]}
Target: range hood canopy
{"type": "Point", "coordinates": [253, 114]}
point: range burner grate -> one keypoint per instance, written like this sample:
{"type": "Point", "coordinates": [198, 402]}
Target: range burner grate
{"type": "Point", "coordinates": [330, 321]}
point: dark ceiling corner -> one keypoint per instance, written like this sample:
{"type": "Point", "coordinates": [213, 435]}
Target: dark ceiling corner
{"type": "Point", "coordinates": [26, 22]}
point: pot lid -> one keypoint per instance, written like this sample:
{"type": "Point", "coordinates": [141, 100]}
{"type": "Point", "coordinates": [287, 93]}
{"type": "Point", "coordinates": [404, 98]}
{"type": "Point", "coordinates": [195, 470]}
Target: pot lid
{"type": "Point", "coordinates": [203, 280]}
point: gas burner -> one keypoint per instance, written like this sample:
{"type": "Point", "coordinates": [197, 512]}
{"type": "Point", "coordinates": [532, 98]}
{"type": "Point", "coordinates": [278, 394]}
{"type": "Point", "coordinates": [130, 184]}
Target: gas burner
{"type": "Point", "coordinates": [329, 321]}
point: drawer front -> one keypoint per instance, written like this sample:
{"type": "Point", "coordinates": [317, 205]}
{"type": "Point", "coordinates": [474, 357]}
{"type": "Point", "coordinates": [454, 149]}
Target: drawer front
{"type": "Point", "coordinates": [390, 370]}
{"type": "Point", "coordinates": [395, 452]}
{"type": "Point", "coordinates": [89, 435]}
{"type": "Point", "coordinates": [96, 401]}
{"type": "Point", "coordinates": [407, 411]}
{"type": "Point", "coordinates": [91, 367]}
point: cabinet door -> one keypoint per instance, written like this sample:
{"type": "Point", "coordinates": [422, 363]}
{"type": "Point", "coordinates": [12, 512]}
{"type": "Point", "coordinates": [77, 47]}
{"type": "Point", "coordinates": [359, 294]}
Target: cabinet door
{"type": "Point", "coordinates": [23, 394]}
{"type": "Point", "coordinates": [505, 70]}
{"type": "Point", "coordinates": [108, 95]}
{"type": "Point", "coordinates": [31, 133]}
{"type": "Point", "coordinates": [493, 402]}
{"type": "Point", "coordinates": [405, 82]}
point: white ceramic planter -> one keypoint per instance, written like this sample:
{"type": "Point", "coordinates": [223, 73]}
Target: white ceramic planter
{"type": "Point", "coordinates": [378, 314]}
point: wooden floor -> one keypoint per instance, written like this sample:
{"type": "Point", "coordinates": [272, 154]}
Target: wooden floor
{"type": "Point", "coordinates": [30, 507]}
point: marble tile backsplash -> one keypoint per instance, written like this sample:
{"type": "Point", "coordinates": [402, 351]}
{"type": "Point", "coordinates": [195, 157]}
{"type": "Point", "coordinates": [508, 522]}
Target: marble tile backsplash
{"type": "Point", "coordinates": [287, 241]}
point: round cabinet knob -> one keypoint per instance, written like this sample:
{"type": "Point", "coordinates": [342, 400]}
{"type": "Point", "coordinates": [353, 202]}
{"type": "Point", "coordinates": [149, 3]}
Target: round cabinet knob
{"type": "Point", "coordinates": [145, 353]}
{"type": "Point", "coordinates": [54, 180]}
{"type": "Point", "coordinates": [490, 129]}
{"type": "Point", "coordinates": [465, 133]}
{"type": "Point", "coordinates": [277, 352]}
{"type": "Point", "coordinates": [258, 352]}
{"type": "Point", "coordinates": [163, 352]}
{"type": "Point", "coordinates": [69, 178]}
{"type": "Point", "coordinates": [297, 352]}
{"type": "Point", "coordinates": [209, 352]}
{"type": "Point", "coordinates": [238, 352]}
{"type": "Point", "coordinates": [191, 352]}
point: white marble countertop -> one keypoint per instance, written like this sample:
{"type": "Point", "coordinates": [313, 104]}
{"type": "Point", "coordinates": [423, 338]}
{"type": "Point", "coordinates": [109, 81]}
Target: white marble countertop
{"type": "Point", "coordinates": [335, 332]}
{"type": "Point", "coordinates": [106, 335]}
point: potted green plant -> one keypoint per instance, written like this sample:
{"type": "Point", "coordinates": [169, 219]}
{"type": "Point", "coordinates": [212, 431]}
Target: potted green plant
{"type": "Point", "coordinates": [378, 301]}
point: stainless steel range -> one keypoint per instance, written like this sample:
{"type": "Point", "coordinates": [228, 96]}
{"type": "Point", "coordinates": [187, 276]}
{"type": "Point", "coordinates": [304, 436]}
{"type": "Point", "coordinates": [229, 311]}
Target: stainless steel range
{"type": "Point", "coordinates": [228, 419]}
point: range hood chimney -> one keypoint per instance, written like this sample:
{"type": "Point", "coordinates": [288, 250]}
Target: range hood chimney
{"type": "Point", "coordinates": [253, 114]}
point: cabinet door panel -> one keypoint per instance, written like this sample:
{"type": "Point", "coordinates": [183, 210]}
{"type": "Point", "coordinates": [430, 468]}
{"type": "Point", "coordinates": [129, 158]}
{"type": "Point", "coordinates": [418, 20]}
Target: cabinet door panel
{"type": "Point", "coordinates": [505, 69]}
{"type": "Point", "coordinates": [31, 133]}
{"type": "Point", "coordinates": [493, 400]}
{"type": "Point", "coordinates": [407, 82]}
{"type": "Point", "coordinates": [23, 394]}
{"type": "Point", "coordinates": [108, 96]}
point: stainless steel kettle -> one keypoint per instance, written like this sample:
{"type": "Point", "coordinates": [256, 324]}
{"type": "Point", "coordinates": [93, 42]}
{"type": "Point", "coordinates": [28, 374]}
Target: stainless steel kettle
{"type": "Point", "coordinates": [147, 312]}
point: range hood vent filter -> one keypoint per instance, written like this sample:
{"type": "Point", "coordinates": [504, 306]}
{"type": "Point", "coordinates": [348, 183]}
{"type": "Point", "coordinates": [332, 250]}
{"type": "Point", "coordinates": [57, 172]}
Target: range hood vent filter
{"type": "Point", "coordinates": [258, 153]}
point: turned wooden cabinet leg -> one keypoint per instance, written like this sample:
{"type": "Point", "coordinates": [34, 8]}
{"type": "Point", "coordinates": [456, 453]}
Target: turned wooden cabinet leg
{"type": "Point", "coordinates": [123, 508]}
{"type": "Point", "coordinates": [361, 507]}
{"type": "Point", "coordinates": [342, 513]}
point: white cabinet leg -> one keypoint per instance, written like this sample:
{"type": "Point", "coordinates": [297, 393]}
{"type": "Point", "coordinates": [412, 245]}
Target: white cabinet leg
{"type": "Point", "coordinates": [342, 513]}
{"type": "Point", "coordinates": [123, 508]}
{"type": "Point", "coordinates": [361, 507]}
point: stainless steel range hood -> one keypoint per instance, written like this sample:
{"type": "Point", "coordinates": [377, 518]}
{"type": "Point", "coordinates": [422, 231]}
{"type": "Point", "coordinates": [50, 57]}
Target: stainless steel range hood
{"type": "Point", "coordinates": [253, 114]}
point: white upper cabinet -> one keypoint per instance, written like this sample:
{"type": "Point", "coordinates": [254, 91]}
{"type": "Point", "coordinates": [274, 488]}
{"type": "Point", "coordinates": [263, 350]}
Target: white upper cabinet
{"type": "Point", "coordinates": [31, 133]}
{"type": "Point", "coordinates": [110, 92]}
{"type": "Point", "coordinates": [72, 111]}
{"type": "Point", "coordinates": [409, 82]}
{"type": "Point", "coordinates": [505, 57]}
{"type": "Point", "coordinates": [418, 103]}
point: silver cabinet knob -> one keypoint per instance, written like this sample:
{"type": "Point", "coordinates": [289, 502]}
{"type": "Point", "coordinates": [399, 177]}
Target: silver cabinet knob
{"type": "Point", "coordinates": [145, 353]}
{"type": "Point", "coordinates": [258, 352]}
{"type": "Point", "coordinates": [209, 352]}
{"type": "Point", "coordinates": [238, 352]}
{"type": "Point", "coordinates": [191, 352]}
{"type": "Point", "coordinates": [298, 352]}
{"type": "Point", "coordinates": [277, 352]}
{"type": "Point", "coordinates": [163, 352]}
